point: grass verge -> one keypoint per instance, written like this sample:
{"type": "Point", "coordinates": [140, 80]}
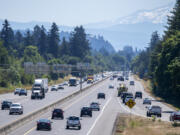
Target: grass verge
{"type": "Point", "coordinates": [136, 125]}
{"type": "Point", "coordinates": [28, 87]}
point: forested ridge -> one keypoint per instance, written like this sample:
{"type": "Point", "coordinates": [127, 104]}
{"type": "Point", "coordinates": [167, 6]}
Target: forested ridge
{"type": "Point", "coordinates": [160, 62]}
{"type": "Point", "coordinates": [41, 45]}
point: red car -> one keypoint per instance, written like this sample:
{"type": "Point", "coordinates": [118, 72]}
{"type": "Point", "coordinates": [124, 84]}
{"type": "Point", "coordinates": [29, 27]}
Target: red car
{"type": "Point", "coordinates": [175, 116]}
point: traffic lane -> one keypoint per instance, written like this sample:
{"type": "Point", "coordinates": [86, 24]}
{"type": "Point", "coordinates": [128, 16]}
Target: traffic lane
{"type": "Point", "coordinates": [104, 125]}
{"type": "Point", "coordinates": [141, 109]}
{"type": "Point", "coordinates": [59, 126]}
{"type": "Point", "coordinates": [34, 105]}
{"type": "Point", "coordinates": [73, 108]}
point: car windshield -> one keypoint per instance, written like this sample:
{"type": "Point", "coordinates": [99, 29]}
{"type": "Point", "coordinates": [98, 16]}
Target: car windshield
{"type": "Point", "coordinates": [73, 118]}
{"type": "Point", "coordinates": [15, 105]}
{"type": "Point", "coordinates": [5, 102]}
{"type": "Point", "coordinates": [57, 110]}
{"type": "Point", "coordinates": [94, 103]}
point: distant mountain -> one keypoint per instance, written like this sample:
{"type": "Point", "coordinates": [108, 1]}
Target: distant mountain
{"type": "Point", "coordinates": [135, 29]}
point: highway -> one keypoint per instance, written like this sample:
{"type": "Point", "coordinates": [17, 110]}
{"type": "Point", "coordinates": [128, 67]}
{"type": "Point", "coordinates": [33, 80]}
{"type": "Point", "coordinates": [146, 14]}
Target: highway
{"type": "Point", "coordinates": [102, 121]}
{"type": "Point", "coordinates": [33, 105]}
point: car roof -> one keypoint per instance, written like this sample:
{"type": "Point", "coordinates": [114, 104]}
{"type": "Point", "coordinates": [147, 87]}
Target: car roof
{"type": "Point", "coordinates": [6, 101]}
{"type": "Point", "coordinates": [16, 103]}
{"type": "Point", "coordinates": [73, 117]}
{"type": "Point", "coordinates": [57, 109]}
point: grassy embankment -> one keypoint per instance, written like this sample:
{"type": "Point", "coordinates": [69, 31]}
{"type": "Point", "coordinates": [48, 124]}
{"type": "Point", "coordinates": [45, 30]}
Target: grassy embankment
{"type": "Point", "coordinates": [147, 87]}
{"type": "Point", "coordinates": [136, 125]}
{"type": "Point", "coordinates": [28, 87]}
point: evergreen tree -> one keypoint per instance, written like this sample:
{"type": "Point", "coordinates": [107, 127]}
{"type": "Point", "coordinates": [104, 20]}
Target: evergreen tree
{"type": "Point", "coordinates": [7, 35]}
{"type": "Point", "coordinates": [64, 48]}
{"type": "Point", "coordinates": [42, 43]}
{"type": "Point", "coordinates": [54, 40]}
{"type": "Point", "coordinates": [79, 45]}
{"type": "Point", "coordinates": [28, 39]}
{"type": "Point", "coordinates": [174, 20]}
{"type": "Point", "coordinates": [36, 35]}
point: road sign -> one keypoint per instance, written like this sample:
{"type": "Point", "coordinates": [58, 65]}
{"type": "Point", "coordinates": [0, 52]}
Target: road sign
{"type": "Point", "coordinates": [130, 103]}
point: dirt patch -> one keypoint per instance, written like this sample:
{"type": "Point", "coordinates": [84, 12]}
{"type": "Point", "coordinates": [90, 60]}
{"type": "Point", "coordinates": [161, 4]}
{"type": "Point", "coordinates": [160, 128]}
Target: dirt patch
{"type": "Point", "coordinates": [136, 125]}
{"type": "Point", "coordinates": [147, 87]}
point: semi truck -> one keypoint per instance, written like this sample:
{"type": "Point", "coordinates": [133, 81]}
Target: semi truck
{"type": "Point", "coordinates": [73, 81]}
{"type": "Point", "coordinates": [39, 88]}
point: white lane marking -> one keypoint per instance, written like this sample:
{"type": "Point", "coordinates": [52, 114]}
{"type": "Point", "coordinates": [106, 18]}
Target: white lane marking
{"type": "Point", "coordinates": [90, 130]}
{"type": "Point", "coordinates": [65, 108]}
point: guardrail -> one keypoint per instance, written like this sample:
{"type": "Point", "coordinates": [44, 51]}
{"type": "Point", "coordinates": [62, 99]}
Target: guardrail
{"type": "Point", "coordinates": [4, 130]}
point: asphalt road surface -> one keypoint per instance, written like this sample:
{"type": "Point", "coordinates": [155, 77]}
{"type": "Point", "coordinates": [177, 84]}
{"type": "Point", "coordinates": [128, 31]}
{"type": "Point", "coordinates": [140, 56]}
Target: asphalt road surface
{"type": "Point", "coordinates": [102, 121]}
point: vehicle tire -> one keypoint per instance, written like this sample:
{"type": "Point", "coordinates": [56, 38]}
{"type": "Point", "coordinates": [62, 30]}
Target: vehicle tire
{"type": "Point", "coordinates": [90, 115]}
{"type": "Point", "coordinates": [2, 108]}
{"type": "Point", "coordinates": [147, 115]}
{"type": "Point", "coordinates": [22, 112]}
{"type": "Point", "coordinates": [159, 115]}
{"type": "Point", "coordinates": [67, 127]}
{"type": "Point", "coordinates": [52, 117]}
{"type": "Point", "coordinates": [81, 115]}
{"type": "Point", "coordinates": [98, 109]}
{"type": "Point", "coordinates": [62, 117]}
{"type": "Point", "coordinates": [79, 127]}
{"type": "Point", "coordinates": [10, 113]}
{"type": "Point", "coordinates": [37, 128]}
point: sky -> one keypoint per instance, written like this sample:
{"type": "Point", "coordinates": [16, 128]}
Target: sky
{"type": "Point", "coordinates": [73, 12]}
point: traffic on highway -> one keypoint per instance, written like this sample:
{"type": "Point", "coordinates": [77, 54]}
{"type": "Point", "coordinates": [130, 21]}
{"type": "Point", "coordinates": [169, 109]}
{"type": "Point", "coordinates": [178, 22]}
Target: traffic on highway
{"type": "Point", "coordinates": [85, 113]}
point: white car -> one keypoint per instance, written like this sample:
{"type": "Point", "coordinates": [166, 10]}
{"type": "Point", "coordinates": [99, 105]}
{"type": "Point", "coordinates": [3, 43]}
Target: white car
{"type": "Point", "coordinates": [16, 108]}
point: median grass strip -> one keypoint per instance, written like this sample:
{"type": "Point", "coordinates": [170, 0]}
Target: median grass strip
{"type": "Point", "coordinates": [136, 125]}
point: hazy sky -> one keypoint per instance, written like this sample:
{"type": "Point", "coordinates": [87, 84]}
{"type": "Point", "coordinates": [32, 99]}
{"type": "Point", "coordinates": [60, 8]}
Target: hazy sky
{"type": "Point", "coordinates": [73, 12]}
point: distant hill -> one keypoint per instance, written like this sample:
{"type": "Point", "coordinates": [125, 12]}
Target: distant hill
{"type": "Point", "coordinates": [96, 42]}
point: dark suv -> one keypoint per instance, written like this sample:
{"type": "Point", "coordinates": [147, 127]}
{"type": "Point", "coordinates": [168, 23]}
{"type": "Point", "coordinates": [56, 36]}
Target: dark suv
{"type": "Point", "coordinates": [138, 94]}
{"type": "Point", "coordinates": [5, 105]}
{"type": "Point", "coordinates": [86, 111]}
{"type": "Point", "coordinates": [101, 95]}
{"type": "Point", "coordinates": [57, 113]}
{"type": "Point", "coordinates": [124, 95]}
{"type": "Point", "coordinates": [154, 110]}
{"type": "Point", "coordinates": [23, 92]}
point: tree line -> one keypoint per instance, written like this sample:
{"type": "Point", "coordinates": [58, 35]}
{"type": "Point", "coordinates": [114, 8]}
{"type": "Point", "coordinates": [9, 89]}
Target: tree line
{"type": "Point", "coordinates": [161, 60]}
{"type": "Point", "coordinates": [41, 45]}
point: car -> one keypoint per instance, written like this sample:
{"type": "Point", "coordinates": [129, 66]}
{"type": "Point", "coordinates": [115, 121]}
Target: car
{"type": "Point", "coordinates": [127, 78]}
{"type": "Point", "coordinates": [128, 98]}
{"type": "Point", "coordinates": [57, 113]}
{"type": "Point", "coordinates": [44, 124]}
{"type": "Point", "coordinates": [16, 108]}
{"type": "Point", "coordinates": [95, 106]}
{"type": "Point", "coordinates": [120, 78]}
{"type": "Point", "coordinates": [147, 101]}
{"type": "Point", "coordinates": [86, 111]}
{"type": "Point", "coordinates": [124, 95]}
{"type": "Point", "coordinates": [138, 94]}
{"type": "Point", "coordinates": [131, 83]}
{"type": "Point", "coordinates": [154, 110]}
{"type": "Point", "coordinates": [65, 83]}
{"type": "Point", "coordinates": [5, 105]}
{"type": "Point", "coordinates": [175, 116]}
{"type": "Point", "coordinates": [60, 87]}
{"type": "Point", "coordinates": [111, 86]}
{"type": "Point", "coordinates": [74, 122]}
{"type": "Point", "coordinates": [54, 88]}
{"type": "Point", "coordinates": [101, 95]}
{"type": "Point", "coordinates": [16, 91]}
{"type": "Point", "coordinates": [23, 92]}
